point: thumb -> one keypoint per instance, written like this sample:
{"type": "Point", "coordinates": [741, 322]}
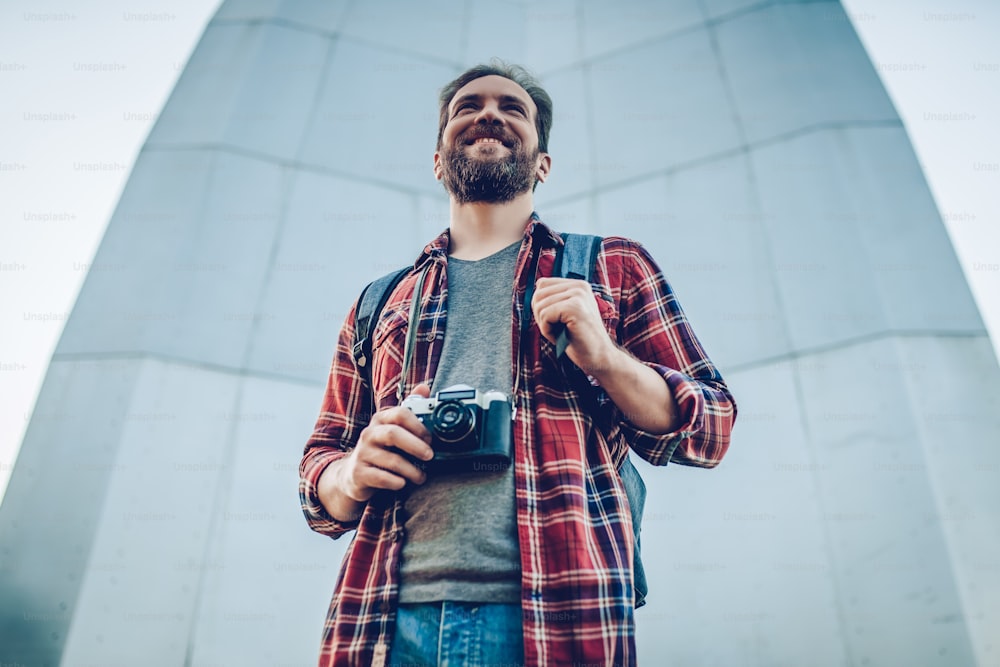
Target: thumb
{"type": "Point", "coordinates": [421, 390]}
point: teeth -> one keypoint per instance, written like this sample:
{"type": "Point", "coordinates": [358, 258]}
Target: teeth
{"type": "Point", "coordinates": [487, 140]}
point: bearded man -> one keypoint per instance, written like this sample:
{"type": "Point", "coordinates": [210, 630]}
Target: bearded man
{"type": "Point", "coordinates": [525, 559]}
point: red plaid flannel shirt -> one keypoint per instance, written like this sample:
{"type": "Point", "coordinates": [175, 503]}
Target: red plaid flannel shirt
{"type": "Point", "coordinates": [573, 519]}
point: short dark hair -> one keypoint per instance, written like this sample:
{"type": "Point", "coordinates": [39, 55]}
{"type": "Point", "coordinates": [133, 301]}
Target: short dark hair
{"type": "Point", "coordinates": [517, 74]}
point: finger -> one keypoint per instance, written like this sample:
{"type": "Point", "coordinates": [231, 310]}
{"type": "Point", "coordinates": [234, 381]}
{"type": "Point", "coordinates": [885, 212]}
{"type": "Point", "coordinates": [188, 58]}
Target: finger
{"type": "Point", "coordinates": [413, 445]}
{"type": "Point", "coordinates": [404, 418]}
{"type": "Point", "coordinates": [564, 289]}
{"type": "Point", "coordinates": [550, 281]}
{"type": "Point", "coordinates": [371, 477]}
{"type": "Point", "coordinates": [553, 314]}
{"type": "Point", "coordinates": [571, 298]}
{"type": "Point", "coordinates": [566, 307]}
{"type": "Point", "coordinates": [545, 287]}
{"type": "Point", "coordinates": [542, 324]}
{"type": "Point", "coordinates": [395, 463]}
{"type": "Point", "coordinates": [391, 437]}
{"type": "Point", "coordinates": [421, 390]}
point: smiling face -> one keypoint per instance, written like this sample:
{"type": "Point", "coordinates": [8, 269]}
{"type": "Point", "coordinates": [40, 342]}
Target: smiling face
{"type": "Point", "coordinates": [489, 145]}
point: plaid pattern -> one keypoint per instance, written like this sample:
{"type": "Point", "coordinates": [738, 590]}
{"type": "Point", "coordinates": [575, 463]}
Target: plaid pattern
{"type": "Point", "coordinates": [569, 438]}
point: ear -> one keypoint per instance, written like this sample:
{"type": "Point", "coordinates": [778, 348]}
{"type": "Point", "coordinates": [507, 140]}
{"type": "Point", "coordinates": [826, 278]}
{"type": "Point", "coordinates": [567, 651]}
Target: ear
{"type": "Point", "coordinates": [544, 166]}
{"type": "Point", "coordinates": [437, 165]}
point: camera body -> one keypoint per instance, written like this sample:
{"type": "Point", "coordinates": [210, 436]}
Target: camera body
{"type": "Point", "coordinates": [469, 429]}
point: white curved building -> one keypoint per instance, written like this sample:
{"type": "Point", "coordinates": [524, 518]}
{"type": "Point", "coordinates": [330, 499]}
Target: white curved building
{"type": "Point", "coordinates": [153, 518]}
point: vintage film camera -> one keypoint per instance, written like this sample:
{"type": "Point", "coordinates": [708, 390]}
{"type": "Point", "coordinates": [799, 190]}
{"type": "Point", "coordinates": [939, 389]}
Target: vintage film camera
{"type": "Point", "coordinates": [470, 429]}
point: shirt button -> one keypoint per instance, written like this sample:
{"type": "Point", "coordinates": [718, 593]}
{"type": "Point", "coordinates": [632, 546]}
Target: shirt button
{"type": "Point", "coordinates": [397, 535]}
{"type": "Point", "coordinates": [384, 608]}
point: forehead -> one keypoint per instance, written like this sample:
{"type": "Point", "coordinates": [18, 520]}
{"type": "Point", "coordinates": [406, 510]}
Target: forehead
{"type": "Point", "coordinates": [493, 86]}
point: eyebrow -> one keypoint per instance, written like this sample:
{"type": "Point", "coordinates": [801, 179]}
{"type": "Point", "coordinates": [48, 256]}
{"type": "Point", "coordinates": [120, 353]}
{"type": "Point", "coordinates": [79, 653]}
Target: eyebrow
{"type": "Point", "coordinates": [476, 97]}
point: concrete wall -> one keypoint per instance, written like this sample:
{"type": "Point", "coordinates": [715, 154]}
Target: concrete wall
{"type": "Point", "coordinates": [152, 517]}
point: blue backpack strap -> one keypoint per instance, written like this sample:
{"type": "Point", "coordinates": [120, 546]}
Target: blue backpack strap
{"type": "Point", "coordinates": [635, 490]}
{"type": "Point", "coordinates": [577, 259]}
{"type": "Point", "coordinates": [370, 304]}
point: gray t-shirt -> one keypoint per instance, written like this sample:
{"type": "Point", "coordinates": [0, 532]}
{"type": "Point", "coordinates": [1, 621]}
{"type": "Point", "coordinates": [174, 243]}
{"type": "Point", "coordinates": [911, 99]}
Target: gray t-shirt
{"type": "Point", "coordinates": [461, 529]}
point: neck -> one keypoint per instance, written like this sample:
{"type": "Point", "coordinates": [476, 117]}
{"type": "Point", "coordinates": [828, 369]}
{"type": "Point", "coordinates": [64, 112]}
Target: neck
{"type": "Point", "coordinates": [480, 229]}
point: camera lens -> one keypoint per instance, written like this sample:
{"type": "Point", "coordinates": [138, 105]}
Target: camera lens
{"type": "Point", "coordinates": [452, 421]}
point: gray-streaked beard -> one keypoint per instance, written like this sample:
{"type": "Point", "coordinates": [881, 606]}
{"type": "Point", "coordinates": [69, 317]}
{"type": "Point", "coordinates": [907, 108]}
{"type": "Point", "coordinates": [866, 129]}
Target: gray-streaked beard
{"type": "Point", "coordinates": [491, 181]}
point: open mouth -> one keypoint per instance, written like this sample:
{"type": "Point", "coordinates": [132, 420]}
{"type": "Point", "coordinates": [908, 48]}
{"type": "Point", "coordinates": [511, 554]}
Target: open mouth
{"type": "Point", "coordinates": [488, 140]}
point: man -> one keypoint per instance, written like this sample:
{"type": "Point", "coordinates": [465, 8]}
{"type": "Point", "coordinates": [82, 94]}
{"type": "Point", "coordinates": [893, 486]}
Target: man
{"type": "Point", "coordinates": [525, 563]}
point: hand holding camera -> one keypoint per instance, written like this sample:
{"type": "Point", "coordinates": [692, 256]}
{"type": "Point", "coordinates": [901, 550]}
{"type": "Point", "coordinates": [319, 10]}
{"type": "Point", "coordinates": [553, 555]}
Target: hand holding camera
{"type": "Point", "coordinates": [459, 428]}
{"type": "Point", "coordinates": [386, 457]}
{"type": "Point", "coordinates": [468, 427]}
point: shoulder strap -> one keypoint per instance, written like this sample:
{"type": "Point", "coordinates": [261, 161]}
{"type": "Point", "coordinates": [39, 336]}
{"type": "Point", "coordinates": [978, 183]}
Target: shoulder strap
{"type": "Point", "coordinates": [635, 490]}
{"type": "Point", "coordinates": [370, 304]}
{"type": "Point", "coordinates": [577, 259]}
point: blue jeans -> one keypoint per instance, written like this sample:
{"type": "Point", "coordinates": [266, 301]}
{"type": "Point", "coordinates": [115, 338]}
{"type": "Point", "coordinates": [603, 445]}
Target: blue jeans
{"type": "Point", "coordinates": [456, 634]}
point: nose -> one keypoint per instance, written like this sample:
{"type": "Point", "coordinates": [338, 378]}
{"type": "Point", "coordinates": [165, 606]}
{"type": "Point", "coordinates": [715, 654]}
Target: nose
{"type": "Point", "coordinates": [490, 114]}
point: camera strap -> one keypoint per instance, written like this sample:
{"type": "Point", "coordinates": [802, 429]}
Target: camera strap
{"type": "Point", "coordinates": [411, 331]}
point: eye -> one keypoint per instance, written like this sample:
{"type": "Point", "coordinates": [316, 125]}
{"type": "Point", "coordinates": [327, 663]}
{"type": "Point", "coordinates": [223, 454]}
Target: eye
{"type": "Point", "coordinates": [516, 108]}
{"type": "Point", "coordinates": [463, 106]}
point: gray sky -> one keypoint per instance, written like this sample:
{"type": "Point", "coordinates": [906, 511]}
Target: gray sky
{"type": "Point", "coordinates": [81, 87]}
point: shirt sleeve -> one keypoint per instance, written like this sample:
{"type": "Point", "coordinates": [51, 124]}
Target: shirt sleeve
{"type": "Point", "coordinates": [345, 411]}
{"type": "Point", "coordinates": [655, 330]}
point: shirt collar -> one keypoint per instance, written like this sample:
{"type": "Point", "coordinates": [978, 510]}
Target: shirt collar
{"type": "Point", "coordinates": [535, 229]}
